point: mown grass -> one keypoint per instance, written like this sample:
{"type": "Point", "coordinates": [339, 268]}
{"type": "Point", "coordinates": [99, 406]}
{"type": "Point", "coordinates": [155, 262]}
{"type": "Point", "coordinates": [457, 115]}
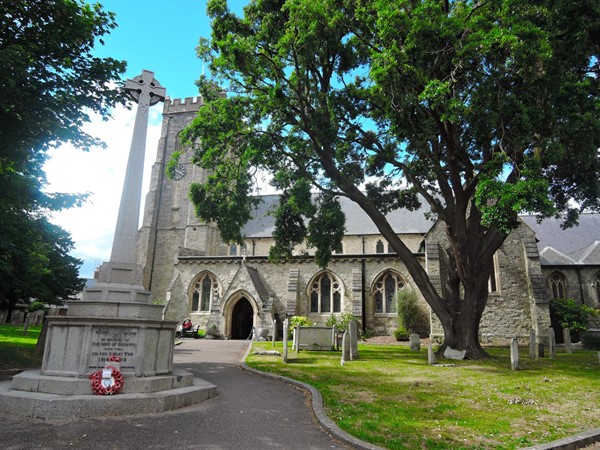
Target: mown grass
{"type": "Point", "coordinates": [17, 348]}
{"type": "Point", "coordinates": [392, 398]}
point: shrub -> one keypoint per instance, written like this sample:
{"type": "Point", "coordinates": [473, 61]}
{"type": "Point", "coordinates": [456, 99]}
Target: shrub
{"type": "Point", "coordinates": [201, 333]}
{"type": "Point", "coordinates": [591, 341]}
{"type": "Point", "coordinates": [341, 324]}
{"type": "Point", "coordinates": [298, 321]}
{"type": "Point", "coordinates": [565, 313]}
{"type": "Point", "coordinates": [402, 334]}
{"type": "Point", "coordinates": [36, 306]}
{"type": "Point", "coordinates": [408, 310]}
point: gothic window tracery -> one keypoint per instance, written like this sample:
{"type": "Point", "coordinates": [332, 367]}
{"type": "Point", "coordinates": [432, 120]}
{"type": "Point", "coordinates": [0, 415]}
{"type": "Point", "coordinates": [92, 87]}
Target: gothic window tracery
{"type": "Point", "coordinates": [385, 292]}
{"type": "Point", "coordinates": [558, 285]}
{"type": "Point", "coordinates": [206, 290]}
{"type": "Point", "coordinates": [326, 294]}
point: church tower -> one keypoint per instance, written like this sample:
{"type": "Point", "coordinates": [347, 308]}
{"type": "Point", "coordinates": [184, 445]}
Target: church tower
{"type": "Point", "coordinates": [170, 227]}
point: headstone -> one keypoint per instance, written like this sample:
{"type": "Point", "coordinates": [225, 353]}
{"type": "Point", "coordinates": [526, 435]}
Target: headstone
{"type": "Point", "coordinates": [296, 336]}
{"type": "Point", "coordinates": [551, 343]}
{"type": "Point", "coordinates": [345, 348]}
{"type": "Point", "coordinates": [567, 340]}
{"type": "Point", "coordinates": [514, 354]}
{"type": "Point", "coordinates": [334, 339]}
{"type": "Point", "coordinates": [540, 350]}
{"type": "Point", "coordinates": [39, 318]}
{"type": "Point", "coordinates": [3, 315]}
{"type": "Point", "coordinates": [274, 334]}
{"type": "Point", "coordinates": [532, 344]}
{"type": "Point", "coordinates": [430, 354]}
{"type": "Point", "coordinates": [353, 332]}
{"type": "Point", "coordinates": [286, 330]}
{"type": "Point", "coordinates": [415, 342]}
{"type": "Point", "coordinates": [16, 319]}
{"type": "Point", "coordinates": [450, 353]}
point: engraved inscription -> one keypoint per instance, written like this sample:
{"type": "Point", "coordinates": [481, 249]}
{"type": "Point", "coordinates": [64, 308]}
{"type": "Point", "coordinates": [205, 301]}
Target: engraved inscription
{"type": "Point", "coordinates": [113, 341]}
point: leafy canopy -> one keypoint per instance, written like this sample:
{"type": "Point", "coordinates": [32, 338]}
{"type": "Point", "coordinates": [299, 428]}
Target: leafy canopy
{"type": "Point", "coordinates": [50, 84]}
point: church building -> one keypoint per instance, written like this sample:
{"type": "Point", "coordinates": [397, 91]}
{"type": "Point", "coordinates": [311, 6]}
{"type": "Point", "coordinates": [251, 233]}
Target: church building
{"type": "Point", "coordinates": [231, 288]}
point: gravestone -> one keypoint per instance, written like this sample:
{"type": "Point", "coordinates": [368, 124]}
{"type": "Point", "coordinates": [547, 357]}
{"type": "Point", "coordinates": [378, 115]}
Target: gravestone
{"type": "Point", "coordinates": [274, 334]}
{"type": "Point", "coordinates": [286, 331]}
{"type": "Point", "coordinates": [353, 332]}
{"type": "Point", "coordinates": [415, 342]}
{"type": "Point", "coordinates": [16, 319]}
{"type": "Point", "coordinates": [540, 350]}
{"type": "Point", "coordinates": [567, 340]}
{"type": "Point", "coordinates": [551, 343]}
{"type": "Point", "coordinates": [39, 318]}
{"type": "Point", "coordinates": [3, 314]}
{"type": "Point", "coordinates": [514, 354]}
{"type": "Point", "coordinates": [532, 344]}
{"type": "Point", "coordinates": [450, 353]}
{"type": "Point", "coordinates": [430, 354]}
{"type": "Point", "coordinates": [345, 348]}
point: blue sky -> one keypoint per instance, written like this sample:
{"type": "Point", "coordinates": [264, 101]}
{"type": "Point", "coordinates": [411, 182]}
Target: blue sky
{"type": "Point", "coordinates": [159, 36]}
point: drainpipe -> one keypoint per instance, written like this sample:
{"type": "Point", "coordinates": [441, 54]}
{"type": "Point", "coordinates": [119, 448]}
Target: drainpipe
{"type": "Point", "coordinates": [362, 293]}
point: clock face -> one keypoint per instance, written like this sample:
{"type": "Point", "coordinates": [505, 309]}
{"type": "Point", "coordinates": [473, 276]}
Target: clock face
{"type": "Point", "coordinates": [179, 172]}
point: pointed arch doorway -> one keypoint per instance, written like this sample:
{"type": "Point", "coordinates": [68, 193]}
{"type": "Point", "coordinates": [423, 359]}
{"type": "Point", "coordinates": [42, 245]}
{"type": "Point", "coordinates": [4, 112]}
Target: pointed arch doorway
{"type": "Point", "coordinates": [242, 319]}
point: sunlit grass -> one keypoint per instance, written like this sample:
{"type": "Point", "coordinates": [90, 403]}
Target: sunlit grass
{"type": "Point", "coordinates": [391, 397]}
{"type": "Point", "coordinates": [17, 348]}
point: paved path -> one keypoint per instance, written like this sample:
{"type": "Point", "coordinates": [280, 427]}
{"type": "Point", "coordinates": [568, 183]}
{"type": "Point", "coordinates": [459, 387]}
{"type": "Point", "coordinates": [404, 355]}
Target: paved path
{"type": "Point", "coordinates": [249, 412]}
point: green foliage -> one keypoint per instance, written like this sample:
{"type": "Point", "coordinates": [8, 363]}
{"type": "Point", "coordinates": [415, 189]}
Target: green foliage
{"type": "Point", "coordinates": [201, 333]}
{"type": "Point", "coordinates": [342, 322]}
{"type": "Point", "coordinates": [408, 309]}
{"type": "Point", "coordinates": [36, 306]}
{"type": "Point", "coordinates": [299, 321]}
{"type": "Point", "coordinates": [569, 314]}
{"type": "Point", "coordinates": [485, 110]}
{"type": "Point", "coordinates": [402, 334]}
{"type": "Point", "coordinates": [49, 90]}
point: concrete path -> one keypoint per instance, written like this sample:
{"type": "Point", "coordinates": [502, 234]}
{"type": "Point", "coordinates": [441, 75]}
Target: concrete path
{"type": "Point", "coordinates": [249, 412]}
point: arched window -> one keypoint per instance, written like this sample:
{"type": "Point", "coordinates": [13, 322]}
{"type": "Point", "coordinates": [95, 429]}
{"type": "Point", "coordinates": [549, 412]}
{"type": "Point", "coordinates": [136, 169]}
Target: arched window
{"type": "Point", "coordinates": [233, 250]}
{"type": "Point", "coordinates": [206, 289]}
{"type": "Point", "coordinates": [597, 283]}
{"type": "Point", "coordinates": [385, 292]}
{"type": "Point", "coordinates": [558, 286]}
{"type": "Point", "coordinates": [379, 247]}
{"type": "Point", "coordinates": [325, 294]}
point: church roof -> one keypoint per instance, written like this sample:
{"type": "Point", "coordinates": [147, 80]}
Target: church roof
{"type": "Point", "coordinates": [262, 224]}
{"type": "Point", "coordinates": [576, 245]}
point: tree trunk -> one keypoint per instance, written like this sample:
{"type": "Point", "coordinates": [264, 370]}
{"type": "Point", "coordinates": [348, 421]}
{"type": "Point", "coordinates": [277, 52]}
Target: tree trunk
{"type": "Point", "coordinates": [461, 324]}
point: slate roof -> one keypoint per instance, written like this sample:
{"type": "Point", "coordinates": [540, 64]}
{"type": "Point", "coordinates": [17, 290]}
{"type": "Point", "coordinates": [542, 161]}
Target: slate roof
{"type": "Point", "coordinates": [262, 224]}
{"type": "Point", "coordinates": [577, 245]}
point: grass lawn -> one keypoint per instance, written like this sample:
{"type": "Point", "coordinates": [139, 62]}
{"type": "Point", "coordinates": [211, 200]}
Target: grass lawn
{"type": "Point", "coordinates": [392, 398]}
{"type": "Point", "coordinates": [17, 349]}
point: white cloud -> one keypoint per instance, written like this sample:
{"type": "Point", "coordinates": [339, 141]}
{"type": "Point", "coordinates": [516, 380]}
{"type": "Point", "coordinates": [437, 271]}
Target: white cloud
{"type": "Point", "coordinates": [100, 172]}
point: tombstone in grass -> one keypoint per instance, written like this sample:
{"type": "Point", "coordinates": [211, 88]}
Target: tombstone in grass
{"type": "Point", "coordinates": [274, 335]}
{"type": "Point", "coordinates": [551, 343]}
{"type": "Point", "coordinates": [3, 315]}
{"type": "Point", "coordinates": [16, 319]}
{"type": "Point", "coordinates": [532, 344]}
{"type": "Point", "coordinates": [286, 330]}
{"type": "Point", "coordinates": [430, 355]}
{"type": "Point", "coordinates": [540, 352]}
{"type": "Point", "coordinates": [514, 354]}
{"type": "Point", "coordinates": [451, 353]}
{"type": "Point", "coordinates": [353, 332]}
{"type": "Point", "coordinates": [415, 342]}
{"type": "Point", "coordinates": [567, 340]}
{"type": "Point", "coordinates": [346, 348]}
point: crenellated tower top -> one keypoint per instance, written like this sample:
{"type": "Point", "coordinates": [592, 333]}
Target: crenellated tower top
{"type": "Point", "coordinates": [181, 105]}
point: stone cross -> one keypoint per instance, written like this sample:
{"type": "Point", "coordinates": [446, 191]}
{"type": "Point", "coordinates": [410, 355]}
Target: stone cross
{"type": "Point", "coordinates": [145, 91]}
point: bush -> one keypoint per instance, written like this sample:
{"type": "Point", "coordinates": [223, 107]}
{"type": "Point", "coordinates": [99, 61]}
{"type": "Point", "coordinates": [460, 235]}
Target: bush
{"type": "Point", "coordinates": [295, 321]}
{"type": "Point", "coordinates": [565, 313]}
{"type": "Point", "coordinates": [36, 306]}
{"type": "Point", "coordinates": [402, 334]}
{"type": "Point", "coordinates": [409, 311]}
{"type": "Point", "coordinates": [341, 324]}
{"type": "Point", "coordinates": [201, 333]}
{"type": "Point", "coordinates": [591, 341]}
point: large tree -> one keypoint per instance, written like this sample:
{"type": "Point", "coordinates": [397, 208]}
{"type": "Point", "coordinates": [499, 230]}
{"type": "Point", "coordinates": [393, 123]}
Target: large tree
{"type": "Point", "coordinates": [481, 109]}
{"type": "Point", "coordinates": [50, 84]}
